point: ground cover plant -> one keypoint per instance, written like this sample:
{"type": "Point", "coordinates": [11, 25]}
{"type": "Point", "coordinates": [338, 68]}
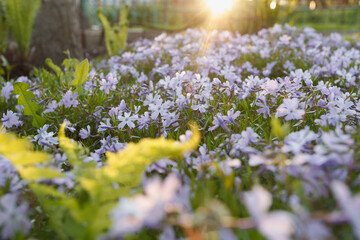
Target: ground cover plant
{"type": "Point", "coordinates": [272, 119]}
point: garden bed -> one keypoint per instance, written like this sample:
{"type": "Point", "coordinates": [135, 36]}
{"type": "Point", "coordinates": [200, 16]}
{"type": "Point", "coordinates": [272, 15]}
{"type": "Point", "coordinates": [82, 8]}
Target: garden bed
{"type": "Point", "coordinates": [273, 124]}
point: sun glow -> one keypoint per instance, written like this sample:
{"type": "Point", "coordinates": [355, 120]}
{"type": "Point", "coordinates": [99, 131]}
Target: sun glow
{"type": "Point", "coordinates": [219, 6]}
{"type": "Point", "coordinates": [273, 5]}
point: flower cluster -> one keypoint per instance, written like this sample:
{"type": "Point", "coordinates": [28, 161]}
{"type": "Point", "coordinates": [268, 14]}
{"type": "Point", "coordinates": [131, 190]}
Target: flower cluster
{"type": "Point", "coordinates": [275, 179]}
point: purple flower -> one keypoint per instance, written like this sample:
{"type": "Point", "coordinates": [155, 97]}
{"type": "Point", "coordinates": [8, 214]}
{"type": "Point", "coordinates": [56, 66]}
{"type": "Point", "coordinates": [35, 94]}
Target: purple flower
{"type": "Point", "coordinates": [289, 109]}
{"type": "Point", "coordinates": [270, 86]}
{"type": "Point", "coordinates": [85, 133]}
{"type": "Point", "coordinates": [284, 40]}
{"type": "Point", "coordinates": [350, 205]}
{"type": "Point", "coordinates": [160, 108]}
{"type": "Point", "coordinates": [170, 118]}
{"type": "Point", "coordinates": [69, 99]}
{"type": "Point", "coordinates": [9, 176]}
{"type": "Point", "coordinates": [109, 83]}
{"type": "Point", "coordinates": [11, 119]}
{"type": "Point", "coordinates": [128, 120]}
{"type": "Point", "coordinates": [144, 120]}
{"type": "Point", "coordinates": [231, 116]}
{"type": "Point", "coordinates": [45, 138]}
{"type": "Point", "coordinates": [147, 209]}
{"type": "Point", "coordinates": [13, 217]}
{"type": "Point", "coordinates": [51, 107]}
{"type": "Point", "coordinates": [297, 142]}
{"type": "Point", "coordinates": [23, 79]}
{"type": "Point", "coordinates": [264, 109]}
{"type": "Point", "coordinates": [218, 121]}
{"type": "Point", "coordinates": [105, 126]}
{"type": "Point", "coordinates": [6, 91]}
{"type": "Point", "coordinates": [276, 225]}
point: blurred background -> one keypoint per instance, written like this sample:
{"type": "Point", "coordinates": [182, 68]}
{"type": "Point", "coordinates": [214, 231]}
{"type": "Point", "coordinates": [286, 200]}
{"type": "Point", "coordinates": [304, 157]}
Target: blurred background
{"type": "Point", "coordinates": [33, 30]}
{"type": "Point", "coordinates": [242, 15]}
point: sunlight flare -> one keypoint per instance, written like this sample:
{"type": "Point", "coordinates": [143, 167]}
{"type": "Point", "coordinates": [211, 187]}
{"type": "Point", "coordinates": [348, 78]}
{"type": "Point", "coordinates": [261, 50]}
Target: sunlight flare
{"type": "Point", "coordinates": [219, 6]}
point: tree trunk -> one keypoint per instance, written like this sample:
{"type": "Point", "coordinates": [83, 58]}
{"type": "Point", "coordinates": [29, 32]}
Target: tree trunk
{"type": "Point", "coordinates": [57, 29]}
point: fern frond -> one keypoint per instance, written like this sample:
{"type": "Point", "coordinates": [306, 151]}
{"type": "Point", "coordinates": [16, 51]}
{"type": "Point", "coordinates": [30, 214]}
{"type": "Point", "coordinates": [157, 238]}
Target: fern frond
{"type": "Point", "coordinates": [20, 16]}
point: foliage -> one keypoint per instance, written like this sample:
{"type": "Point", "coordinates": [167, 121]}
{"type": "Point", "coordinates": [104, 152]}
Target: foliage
{"type": "Point", "coordinates": [116, 35]}
{"type": "Point", "coordinates": [54, 67]}
{"type": "Point", "coordinates": [80, 74]}
{"type": "Point", "coordinates": [31, 108]}
{"type": "Point", "coordinates": [20, 17]}
{"type": "Point", "coordinates": [278, 113]}
{"type": "Point", "coordinates": [85, 215]}
{"type": "Point", "coordinates": [4, 31]}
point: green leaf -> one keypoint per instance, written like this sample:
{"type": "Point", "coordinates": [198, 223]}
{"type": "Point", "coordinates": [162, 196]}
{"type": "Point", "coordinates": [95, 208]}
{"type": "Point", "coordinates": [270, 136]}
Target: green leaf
{"type": "Point", "coordinates": [31, 107]}
{"type": "Point", "coordinates": [81, 74]}
{"type": "Point", "coordinates": [36, 173]}
{"type": "Point", "coordinates": [3, 34]}
{"type": "Point", "coordinates": [44, 190]}
{"type": "Point", "coordinates": [278, 130]}
{"type": "Point", "coordinates": [54, 67]}
{"type": "Point", "coordinates": [74, 151]}
{"type": "Point", "coordinates": [115, 36]}
{"type": "Point", "coordinates": [28, 158]}
{"type": "Point", "coordinates": [20, 16]}
{"type": "Point", "coordinates": [107, 31]}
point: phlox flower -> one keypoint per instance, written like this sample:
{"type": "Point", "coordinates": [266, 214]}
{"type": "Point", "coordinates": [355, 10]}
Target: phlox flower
{"type": "Point", "coordinates": [270, 86]}
{"type": "Point", "coordinates": [45, 138]}
{"type": "Point", "coordinates": [10, 119]}
{"type": "Point", "coordinates": [350, 205]}
{"type": "Point", "coordinates": [147, 209]}
{"type": "Point", "coordinates": [264, 108]}
{"type": "Point", "coordinates": [6, 90]}
{"type": "Point", "coordinates": [218, 121]}
{"type": "Point", "coordinates": [128, 120]}
{"type": "Point", "coordinates": [13, 217]}
{"type": "Point", "coordinates": [109, 83]}
{"type": "Point", "coordinates": [51, 107]}
{"type": "Point", "coordinates": [9, 176]}
{"type": "Point", "coordinates": [159, 109]}
{"type": "Point", "coordinates": [105, 126]}
{"type": "Point", "coordinates": [69, 99]}
{"type": "Point", "coordinates": [85, 133]}
{"type": "Point", "coordinates": [275, 225]}
{"type": "Point", "coordinates": [297, 142]}
{"type": "Point", "coordinates": [231, 116]}
{"type": "Point", "coordinates": [289, 109]}
{"type": "Point", "coordinates": [144, 120]}
{"type": "Point", "coordinates": [170, 118]}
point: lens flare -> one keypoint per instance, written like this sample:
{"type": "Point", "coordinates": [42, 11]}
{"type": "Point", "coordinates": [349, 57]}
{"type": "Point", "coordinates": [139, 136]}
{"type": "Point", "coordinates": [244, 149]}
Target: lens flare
{"type": "Point", "coordinates": [219, 6]}
{"type": "Point", "coordinates": [312, 5]}
{"type": "Point", "coordinates": [273, 5]}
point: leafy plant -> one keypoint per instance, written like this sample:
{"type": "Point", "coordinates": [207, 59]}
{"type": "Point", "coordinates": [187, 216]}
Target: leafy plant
{"type": "Point", "coordinates": [54, 67]}
{"type": "Point", "coordinates": [84, 214]}
{"type": "Point", "coordinates": [4, 31]}
{"type": "Point", "coordinates": [115, 36]}
{"type": "Point", "coordinates": [20, 16]}
{"type": "Point", "coordinates": [31, 107]}
{"type": "Point", "coordinates": [81, 74]}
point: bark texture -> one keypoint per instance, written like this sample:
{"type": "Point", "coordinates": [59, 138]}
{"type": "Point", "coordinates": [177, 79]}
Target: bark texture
{"type": "Point", "coordinates": [57, 29]}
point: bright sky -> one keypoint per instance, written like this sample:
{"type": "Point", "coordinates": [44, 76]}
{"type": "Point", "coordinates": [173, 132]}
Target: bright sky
{"type": "Point", "coordinates": [219, 6]}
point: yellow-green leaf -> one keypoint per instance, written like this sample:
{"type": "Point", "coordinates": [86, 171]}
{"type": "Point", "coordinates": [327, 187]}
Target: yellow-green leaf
{"type": "Point", "coordinates": [28, 158]}
{"type": "Point", "coordinates": [44, 190]}
{"type": "Point", "coordinates": [36, 173]}
{"type": "Point", "coordinates": [277, 129]}
{"type": "Point", "coordinates": [54, 67]}
{"type": "Point", "coordinates": [81, 74]}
